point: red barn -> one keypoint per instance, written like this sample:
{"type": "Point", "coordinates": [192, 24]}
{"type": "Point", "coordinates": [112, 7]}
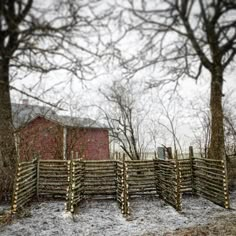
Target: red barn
{"type": "Point", "coordinates": [61, 137]}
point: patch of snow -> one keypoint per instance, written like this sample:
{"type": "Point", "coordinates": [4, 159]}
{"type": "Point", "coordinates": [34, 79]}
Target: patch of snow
{"type": "Point", "coordinates": [4, 207]}
{"type": "Point", "coordinates": [149, 216]}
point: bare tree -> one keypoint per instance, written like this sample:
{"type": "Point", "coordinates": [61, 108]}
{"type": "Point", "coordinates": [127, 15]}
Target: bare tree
{"type": "Point", "coordinates": [201, 123]}
{"type": "Point", "coordinates": [169, 120]}
{"type": "Point", "coordinates": [230, 123]}
{"type": "Point", "coordinates": [123, 118]}
{"type": "Point", "coordinates": [41, 37]}
{"type": "Point", "coordinates": [187, 37]}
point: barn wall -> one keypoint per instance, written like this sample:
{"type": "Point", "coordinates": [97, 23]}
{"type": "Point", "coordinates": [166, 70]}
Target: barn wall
{"type": "Point", "coordinates": [41, 137]}
{"type": "Point", "coordinates": [90, 143]}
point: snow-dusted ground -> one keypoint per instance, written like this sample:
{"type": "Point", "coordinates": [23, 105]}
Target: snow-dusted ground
{"type": "Point", "coordinates": [4, 208]}
{"type": "Point", "coordinates": [150, 216]}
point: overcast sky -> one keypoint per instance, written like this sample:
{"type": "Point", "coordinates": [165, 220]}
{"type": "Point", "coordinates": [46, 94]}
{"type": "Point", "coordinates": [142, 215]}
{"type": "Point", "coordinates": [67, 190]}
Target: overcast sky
{"type": "Point", "coordinates": [79, 98]}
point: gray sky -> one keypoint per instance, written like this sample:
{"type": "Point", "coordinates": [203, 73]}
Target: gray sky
{"type": "Point", "coordinates": [79, 98]}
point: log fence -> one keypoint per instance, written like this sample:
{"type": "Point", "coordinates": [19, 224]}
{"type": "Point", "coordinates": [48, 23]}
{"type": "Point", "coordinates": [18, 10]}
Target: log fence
{"type": "Point", "coordinates": [169, 182]}
{"type": "Point", "coordinates": [99, 178]}
{"type": "Point", "coordinates": [25, 184]}
{"type": "Point", "coordinates": [120, 179]}
{"type": "Point", "coordinates": [185, 169]}
{"type": "Point", "coordinates": [210, 177]}
{"type": "Point", "coordinates": [76, 179]}
{"type": "Point", "coordinates": [141, 177]}
{"type": "Point", "coordinates": [52, 178]}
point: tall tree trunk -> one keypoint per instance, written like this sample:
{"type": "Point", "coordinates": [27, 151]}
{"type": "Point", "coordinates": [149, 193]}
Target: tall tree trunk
{"type": "Point", "coordinates": [216, 150]}
{"type": "Point", "coordinates": [7, 141]}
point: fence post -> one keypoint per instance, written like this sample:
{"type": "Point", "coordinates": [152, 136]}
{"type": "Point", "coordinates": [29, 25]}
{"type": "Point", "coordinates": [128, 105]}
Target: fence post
{"type": "Point", "coordinates": [69, 188]}
{"type": "Point", "coordinates": [169, 153]}
{"type": "Point", "coordinates": [14, 191]}
{"type": "Point", "coordinates": [191, 157]}
{"type": "Point", "coordinates": [225, 183]}
{"type": "Point", "coordinates": [155, 155]}
{"type": "Point", "coordinates": [37, 177]}
{"type": "Point", "coordinates": [76, 155]}
{"type": "Point", "coordinates": [178, 183]}
{"type": "Point", "coordinates": [155, 163]}
{"type": "Point", "coordinates": [125, 189]}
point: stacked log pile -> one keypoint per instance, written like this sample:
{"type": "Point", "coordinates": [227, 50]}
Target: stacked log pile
{"type": "Point", "coordinates": [52, 178]}
{"type": "Point", "coordinates": [168, 181]}
{"type": "Point", "coordinates": [25, 184]}
{"type": "Point", "coordinates": [210, 180]}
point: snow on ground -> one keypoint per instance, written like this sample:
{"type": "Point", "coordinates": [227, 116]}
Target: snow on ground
{"type": "Point", "coordinates": [4, 207]}
{"type": "Point", "coordinates": [150, 216]}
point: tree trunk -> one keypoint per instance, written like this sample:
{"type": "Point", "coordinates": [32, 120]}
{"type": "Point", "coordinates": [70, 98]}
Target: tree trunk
{"type": "Point", "coordinates": [216, 150]}
{"type": "Point", "coordinates": [7, 141]}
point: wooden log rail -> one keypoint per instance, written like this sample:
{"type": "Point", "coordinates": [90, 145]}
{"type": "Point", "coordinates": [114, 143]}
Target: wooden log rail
{"type": "Point", "coordinates": [169, 182]}
{"type": "Point", "coordinates": [90, 178]}
{"type": "Point", "coordinates": [185, 169]}
{"type": "Point", "coordinates": [99, 178]}
{"type": "Point", "coordinates": [211, 180]}
{"type": "Point", "coordinates": [25, 184]}
{"type": "Point", "coordinates": [141, 177]}
{"type": "Point", "coordinates": [52, 178]}
{"type": "Point", "coordinates": [122, 179]}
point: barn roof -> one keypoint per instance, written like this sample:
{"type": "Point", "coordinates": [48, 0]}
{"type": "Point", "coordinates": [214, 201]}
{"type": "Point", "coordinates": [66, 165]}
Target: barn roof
{"type": "Point", "coordinates": [25, 113]}
{"type": "Point", "coordinates": [71, 121]}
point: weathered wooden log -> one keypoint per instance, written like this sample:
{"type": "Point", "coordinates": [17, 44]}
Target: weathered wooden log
{"type": "Point", "coordinates": [99, 172]}
{"type": "Point", "coordinates": [22, 177]}
{"type": "Point", "coordinates": [56, 184]}
{"type": "Point", "coordinates": [184, 161]}
{"type": "Point", "coordinates": [213, 170]}
{"type": "Point", "coordinates": [204, 175]}
{"type": "Point", "coordinates": [22, 202]}
{"type": "Point", "coordinates": [23, 195]}
{"type": "Point", "coordinates": [143, 182]}
{"type": "Point", "coordinates": [98, 161]}
{"type": "Point", "coordinates": [210, 196]}
{"type": "Point", "coordinates": [25, 168]}
{"type": "Point", "coordinates": [26, 163]}
{"type": "Point", "coordinates": [104, 175]}
{"type": "Point", "coordinates": [54, 176]}
{"type": "Point", "coordinates": [210, 181]}
{"type": "Point", "coordinates": [25, 180]}
{"type": "Point", "coordinates": [136, 190]}
{"type": "Point", "coordinates": [45, 180]}
{"type": "Point", "coordinates": [206, 172]}
{"type": "Point", "coordinates": [20, 187]}
{"type": "Point", "coordinates": [53, 161]}
{"type": "Point", "coordinates": [208, 160]}
{"type": "Point", "coordinates": [52, 191]}
{"type": "Point", "coordinates": [209, 184]}
{"type": "Point", "coordinates": [138, 161]}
